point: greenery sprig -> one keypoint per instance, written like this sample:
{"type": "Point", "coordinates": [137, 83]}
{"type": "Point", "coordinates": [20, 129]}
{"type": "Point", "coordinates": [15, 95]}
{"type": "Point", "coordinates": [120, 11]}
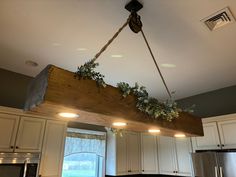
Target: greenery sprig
{"type": "Point", "coordinates": [86, 71]}
{"type": "Point", "coordinates": [151, 106]}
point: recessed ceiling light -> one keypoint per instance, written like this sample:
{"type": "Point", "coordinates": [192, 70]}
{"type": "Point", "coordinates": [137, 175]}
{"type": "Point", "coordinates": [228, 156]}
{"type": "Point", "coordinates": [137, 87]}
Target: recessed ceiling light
{"type": "Point", "coordinates": [119, 124]}
{"type": "Point", "coordinates": [31, 63]}
{"type": "Point", "coordinates": [68, 115]}
{"type": "Point", "coordinates": [168, 65]}
{"type": "Point", "coordinates": [116, 56]}
{"type": "Point", "coordinates": [81, 49]}
{"type": "Point", "coordinates": [154, 131]}
{"type": "Point", "coordinates": [180, 135]}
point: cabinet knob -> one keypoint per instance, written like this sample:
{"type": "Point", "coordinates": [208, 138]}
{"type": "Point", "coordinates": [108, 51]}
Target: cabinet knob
{"type": "Point", "coordinates": [17, 147]}
{"type": "Point", "coordinates": [223, 145]}
{"type": "Point", "coordinates": [11, 147]}
{"type": "Point", "coordinates": [142, 170]}
{"type": "Point", "coordinates": [129, 170]}
{"type": "Point", "coordinates": [218, 145]}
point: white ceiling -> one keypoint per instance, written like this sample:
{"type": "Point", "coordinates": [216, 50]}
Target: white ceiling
{"type": "Point", "coordinates": [50, 31]}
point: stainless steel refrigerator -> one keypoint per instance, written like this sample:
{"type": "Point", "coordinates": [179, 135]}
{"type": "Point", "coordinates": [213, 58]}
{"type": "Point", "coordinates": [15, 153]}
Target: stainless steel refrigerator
{"type": "Point", "coordinates": [214, 164]}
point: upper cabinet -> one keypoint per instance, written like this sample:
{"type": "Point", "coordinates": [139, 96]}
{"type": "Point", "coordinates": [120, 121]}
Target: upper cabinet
{"type": "Point", "coordinates": [149, 154]}
{"type": "Point", "coordinates": [227, 130]}
{"type": "Point", "coordinates": [219, 133]}
{"type": "Point", "coordinates": [123, 154]}
{"type": "Point", "coordinates": [30, 135]}
{"type": "Point", "coordinates": [210, 140]}
{"type": "Point", "coordinates": [183, 149]}
{"type": "Point", "coordinates": [21, 134]}
{"type": "Point", "coordinates": [53, 149]}
{"type": "Point", "coordinates": [166, 155]}
{"type": "Point", "coordinates": [8, 130]}
{"type": "Point", "coordinates": [174, 156]}
{"type": "Point", "coordinates": [133, 145]}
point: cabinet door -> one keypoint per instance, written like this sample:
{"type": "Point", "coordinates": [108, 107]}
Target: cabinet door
{"type": "Point", "coordinates": [149, 154]}
{"type": "Point", "coordinates": [121, 153]}
{"type": "Point", "coordinates": [53, 149]}
{"type": "Point", "coordinates": [134, 153]}
{"type": "Point", "coordinates": [183, 150]}
{"type": "Point", "coordinates": [8, 129]}
{"type": "Point", "coordinates": [30, 135]}
{"type": "Point", "coordinates": [227, 133]}
{"type": "Point", "coordinates": [210, 140]}
{"type": "Point", "coordinates": [166, 155]}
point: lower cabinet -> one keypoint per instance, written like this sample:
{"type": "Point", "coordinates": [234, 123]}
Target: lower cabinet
{"type": "Point", "coordinates": [123, 154]}
{"type": "Point", "coordinates": [53, 149]}
{"type": "Point", "coordinates": [174, 156]}
{"type": "Point", "coordinates": [149, 154]}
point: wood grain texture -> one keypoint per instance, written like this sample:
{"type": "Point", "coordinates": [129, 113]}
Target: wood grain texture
{"type": "Point", "coordinates": [97, 105]}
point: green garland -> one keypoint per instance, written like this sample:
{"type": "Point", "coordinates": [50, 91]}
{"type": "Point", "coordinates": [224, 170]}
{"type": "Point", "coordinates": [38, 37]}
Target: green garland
{"type": "Point", "coordinates": [151, 106]}
{"type": "Point", "coordinates": [86, 71]}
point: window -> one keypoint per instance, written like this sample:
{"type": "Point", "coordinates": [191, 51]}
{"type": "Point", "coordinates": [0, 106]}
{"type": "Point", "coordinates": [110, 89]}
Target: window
{"type": "Point", "coordinates": [84, 154]}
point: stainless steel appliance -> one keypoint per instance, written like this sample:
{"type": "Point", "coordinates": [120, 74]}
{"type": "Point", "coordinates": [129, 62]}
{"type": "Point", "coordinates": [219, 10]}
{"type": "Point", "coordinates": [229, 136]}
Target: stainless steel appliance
{"type": "Point", "coordinates": [19, 164]}
{"type": "Point", "coordinates": [214, 164]}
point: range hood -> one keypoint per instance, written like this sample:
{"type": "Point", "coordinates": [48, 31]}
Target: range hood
{"type": "Point", "coordinates": [56, 90]}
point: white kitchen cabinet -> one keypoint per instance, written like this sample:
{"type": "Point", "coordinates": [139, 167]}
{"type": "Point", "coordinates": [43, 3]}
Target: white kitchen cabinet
{"type": "Point", "coordinates": [174, 156]}
{"type": "Point", "coordinates": [149, 154]}
{"type": "Point", "coordinates": [210, 140]}
{"type": "Point", "coordinates": [20, 134]}
{"type": "Point", "coordinates": [227, 133]}
{"type": "Point", "coordinates": [219, 133]}
{"type": "Point", "coordinates": [183, 149]}
{"type": "Point", "coordinates": [53, 149]}
{"type": "Point", "coordinates": [123, 154]}
{"type": "Point", "coordinates": [30, 135]}
{"type": "Point", "coordinates": [133, 146]}
{"type": "Point", "coordinates": [8, 131]}
{"type": "Point", "coordinates": [166, 155]}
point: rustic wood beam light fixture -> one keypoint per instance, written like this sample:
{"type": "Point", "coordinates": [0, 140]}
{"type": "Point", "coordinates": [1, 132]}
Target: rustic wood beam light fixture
{"type": "Point", "coordinates": [56, 90]}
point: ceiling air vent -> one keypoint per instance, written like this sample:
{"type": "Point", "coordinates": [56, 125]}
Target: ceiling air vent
{"type": "Point", "coordinates": [219, 19]}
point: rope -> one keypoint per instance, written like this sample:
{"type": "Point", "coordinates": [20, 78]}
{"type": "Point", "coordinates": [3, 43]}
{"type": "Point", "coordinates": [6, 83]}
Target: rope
{"type": "Point", "coordinates": [111, 40]}
{"type": "Point", "coordinates": [158, 69]}
{"type": "Point", "coordinates": [149, 48]}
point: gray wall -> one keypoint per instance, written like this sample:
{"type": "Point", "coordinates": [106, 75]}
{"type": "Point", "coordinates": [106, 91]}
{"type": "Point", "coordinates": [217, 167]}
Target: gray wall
{"type": "Point", "coordinates": [13, 90]}
{"type": "Point", "coordinates": [218, 102]}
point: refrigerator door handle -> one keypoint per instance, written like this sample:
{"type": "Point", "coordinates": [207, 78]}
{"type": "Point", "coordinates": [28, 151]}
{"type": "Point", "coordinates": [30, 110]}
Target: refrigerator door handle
{"type": "Point", "coordinates": [221, 172]}
{"type": "Point", "coordinates": [216, 171]}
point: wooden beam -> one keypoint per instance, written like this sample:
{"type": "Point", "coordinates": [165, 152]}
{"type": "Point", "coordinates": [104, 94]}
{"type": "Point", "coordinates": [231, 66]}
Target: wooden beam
{"type": "Point", "coordinates": [56, 90]}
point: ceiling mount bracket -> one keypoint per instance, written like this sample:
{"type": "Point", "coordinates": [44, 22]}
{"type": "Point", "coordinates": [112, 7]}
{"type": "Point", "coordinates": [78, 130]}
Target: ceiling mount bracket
{"type": "Point", "coordinates": [135, 23]}
{"type": "Point", "coordinates": [133, 6]}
